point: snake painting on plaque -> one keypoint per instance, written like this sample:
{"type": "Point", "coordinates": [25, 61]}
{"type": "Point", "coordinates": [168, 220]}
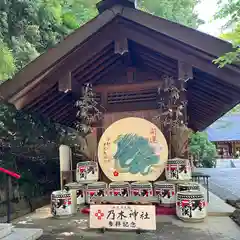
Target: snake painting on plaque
{"type": "Point", "coordinates": [132, 149]}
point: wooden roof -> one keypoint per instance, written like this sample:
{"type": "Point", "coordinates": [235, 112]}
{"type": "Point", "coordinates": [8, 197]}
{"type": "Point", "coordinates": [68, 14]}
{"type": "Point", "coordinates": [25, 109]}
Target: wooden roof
{"type": "Point", "coordinates": [88, 55]}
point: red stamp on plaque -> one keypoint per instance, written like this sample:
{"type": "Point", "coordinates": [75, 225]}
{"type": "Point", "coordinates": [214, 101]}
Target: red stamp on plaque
{"type": "Point", "coordinates": [99, 214]}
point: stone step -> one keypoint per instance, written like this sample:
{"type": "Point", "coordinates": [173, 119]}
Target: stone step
{"type": "Point", "coordinates": [24, 234]}
{"type": "Point", "coordinates": [5, 229]}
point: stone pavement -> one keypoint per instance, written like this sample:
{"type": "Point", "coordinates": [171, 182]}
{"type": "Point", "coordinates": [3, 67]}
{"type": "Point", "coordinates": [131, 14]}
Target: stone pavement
{"type": "Point", "coordinates": [216, 206]}
{"type": "Point", "coordinates": [168, 228]}
{"type": "Point", "coordinates": [224, 182]}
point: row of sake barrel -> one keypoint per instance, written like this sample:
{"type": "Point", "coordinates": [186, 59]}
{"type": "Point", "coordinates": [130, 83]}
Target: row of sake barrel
{"type": "Point", "coordinates": [79, 194]}
{"type": "Point", "coordinates": [164, 190]}
{"type": "Point", "coordinates": [189, 201]}
{"type": "Point", "coordinates": [176, 169]}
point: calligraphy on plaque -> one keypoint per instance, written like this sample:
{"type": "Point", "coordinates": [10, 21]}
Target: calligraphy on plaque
{"type": "Point", "coordinates": [126, 217]}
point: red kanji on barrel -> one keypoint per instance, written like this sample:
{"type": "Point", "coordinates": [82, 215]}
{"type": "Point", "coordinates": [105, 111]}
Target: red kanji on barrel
{"type": "Point", "coordinates": [185, 203]}
{"type": "Point", "coordinates": [68, 201]}
{"type": "Point", "coordinates": [81, 169]}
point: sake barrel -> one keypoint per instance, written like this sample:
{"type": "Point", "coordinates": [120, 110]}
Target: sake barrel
{"type": "Point", "coordinates": [97, 189]}
{"type": "Point", "coordinates": [121, 189]}
{"type": "Point", "coordinates": [141, 189]}
{"type": "Point", "coordinates": [191, 206]}
{"type": "Point", "coordinates": [61, 204]}
{"type": "Point", "coordinates": [87, 172]}
{"type": "Point", "coordinates": [188, 186]}
{"type": "Point", "coordinates": [166, 193]}
{"type": "Point", "coordinates": [78, 193]}
{"type": "Point", "coordinates": [178, 169]}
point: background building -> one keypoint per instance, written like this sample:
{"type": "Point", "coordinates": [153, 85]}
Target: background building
{"type": "Point", "coordinates": [225, 133]}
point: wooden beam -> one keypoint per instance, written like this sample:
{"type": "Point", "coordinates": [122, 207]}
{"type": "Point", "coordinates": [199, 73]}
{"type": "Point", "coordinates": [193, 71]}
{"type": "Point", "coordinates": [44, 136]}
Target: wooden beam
{"type": "Point", "coordinates": [159, 64]}
{"type": "Point", "coordinates": [38, 101]}
{"type": "Point", "coordinates": [127, 87]}
{"type": "Point", "coordinates": [158, 45]}
{"type": "Point", "coordinates": [101, 56]}
{"type": "Point", "coordinates": [101, 76]}
{"type": "Point", "coordinates": [171, 30]}
{"type": "Point", "coordinates": [69, 116]}
{"type": "Point", "coordinates": [156, 57]}
{"type": "Point", "coordinates": [96, 70]}
{"type": "Point", "coordinates": [36, 68]}
{"type": "Point", "coordinates": [208, 86]}
{"type": "Point", "coordinates": [207, 97]}
{"type": "Point", "coordinates": [45, 101]}
{"type": "Point", "coordinates": [185, 71]}
{"type": "Point", "coordinates": [61, 111]}
{"type": "Point", "coordinates": [134, 106]}
{"type": "Point", "coordinates": [222, 98]}
{"type": "Point", "coordinates": [53, 104]}
{"type": "Point", "coordinates": [121, 46]}
{"type": "Point", "coordinates": [65, 83]}
{"type": "Point", "coordinates": [88, 50]}
{"type": "Point", "coordinates": [159, 68]}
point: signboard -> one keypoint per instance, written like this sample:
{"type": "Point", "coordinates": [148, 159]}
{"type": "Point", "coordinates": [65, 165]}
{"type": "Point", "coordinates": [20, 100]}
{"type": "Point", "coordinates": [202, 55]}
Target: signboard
{"type": "Point", "coordinates": [124, 217]}
{"type": "Point", "coordinates": [132, 148]}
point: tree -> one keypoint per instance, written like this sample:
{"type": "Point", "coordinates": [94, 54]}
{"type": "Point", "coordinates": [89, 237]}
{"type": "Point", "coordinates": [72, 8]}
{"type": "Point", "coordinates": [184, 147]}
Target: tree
{"type": "Point", "coordinates": [29, 145]}
{"type": "Point", "coordinates": [230, 10]}
{"type": "Point", "coordinates": [179, 11]}
{"type": "Point", "coordinates": [28, 28]}
{"type": "Point", "coordinates": [202, 149]}
{"type": "Point", "coordinates": [7, 65]}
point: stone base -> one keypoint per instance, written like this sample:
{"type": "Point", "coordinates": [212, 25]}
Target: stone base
{"type": "Point", "coordinates": [8, 232]}
{"type": "Point", "coordinates": [5, 230]}
{"type": "Point", "coordinates": [24, 234]}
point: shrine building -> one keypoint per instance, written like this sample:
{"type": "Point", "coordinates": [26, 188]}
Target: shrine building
{"type": "Point", "coordinates": [126, 55]}
{"type": "Point", "coordinates": [225, 133]}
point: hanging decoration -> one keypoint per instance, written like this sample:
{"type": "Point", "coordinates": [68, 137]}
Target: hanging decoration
{"type": "Point", "coordinates": [172, 110]}
{"type": "Point", "coordinates": [88, 112]}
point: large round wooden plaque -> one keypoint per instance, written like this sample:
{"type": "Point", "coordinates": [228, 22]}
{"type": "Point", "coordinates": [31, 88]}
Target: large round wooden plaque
{"type": "Point", "coordinates": [132, 149]}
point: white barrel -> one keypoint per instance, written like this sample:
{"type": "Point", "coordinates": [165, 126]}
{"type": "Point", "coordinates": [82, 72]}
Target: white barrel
{"type": "Point", "coordinates": [61, 204]}
{"type": "Point", "coordinates": [65, 158]}
{"type": "Point", "coordinates": [141, 189]}
{"type": "Point", "coordinates": [78, 193]}
{"type": "Point", "coordinates": [87, 172]}
{"type": "Point", "coordinates": [121, 189]}
{"type": "Point", "coordinates": [166, 192]}
{"type": "Point", "coordinates": [97, 189]}
{"type": "Point", "coordinates": [191, 206]}
{"type": "Point", "coordinates": [178, 169]}
{"type": "Point", "coordinates": [188, 186]}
